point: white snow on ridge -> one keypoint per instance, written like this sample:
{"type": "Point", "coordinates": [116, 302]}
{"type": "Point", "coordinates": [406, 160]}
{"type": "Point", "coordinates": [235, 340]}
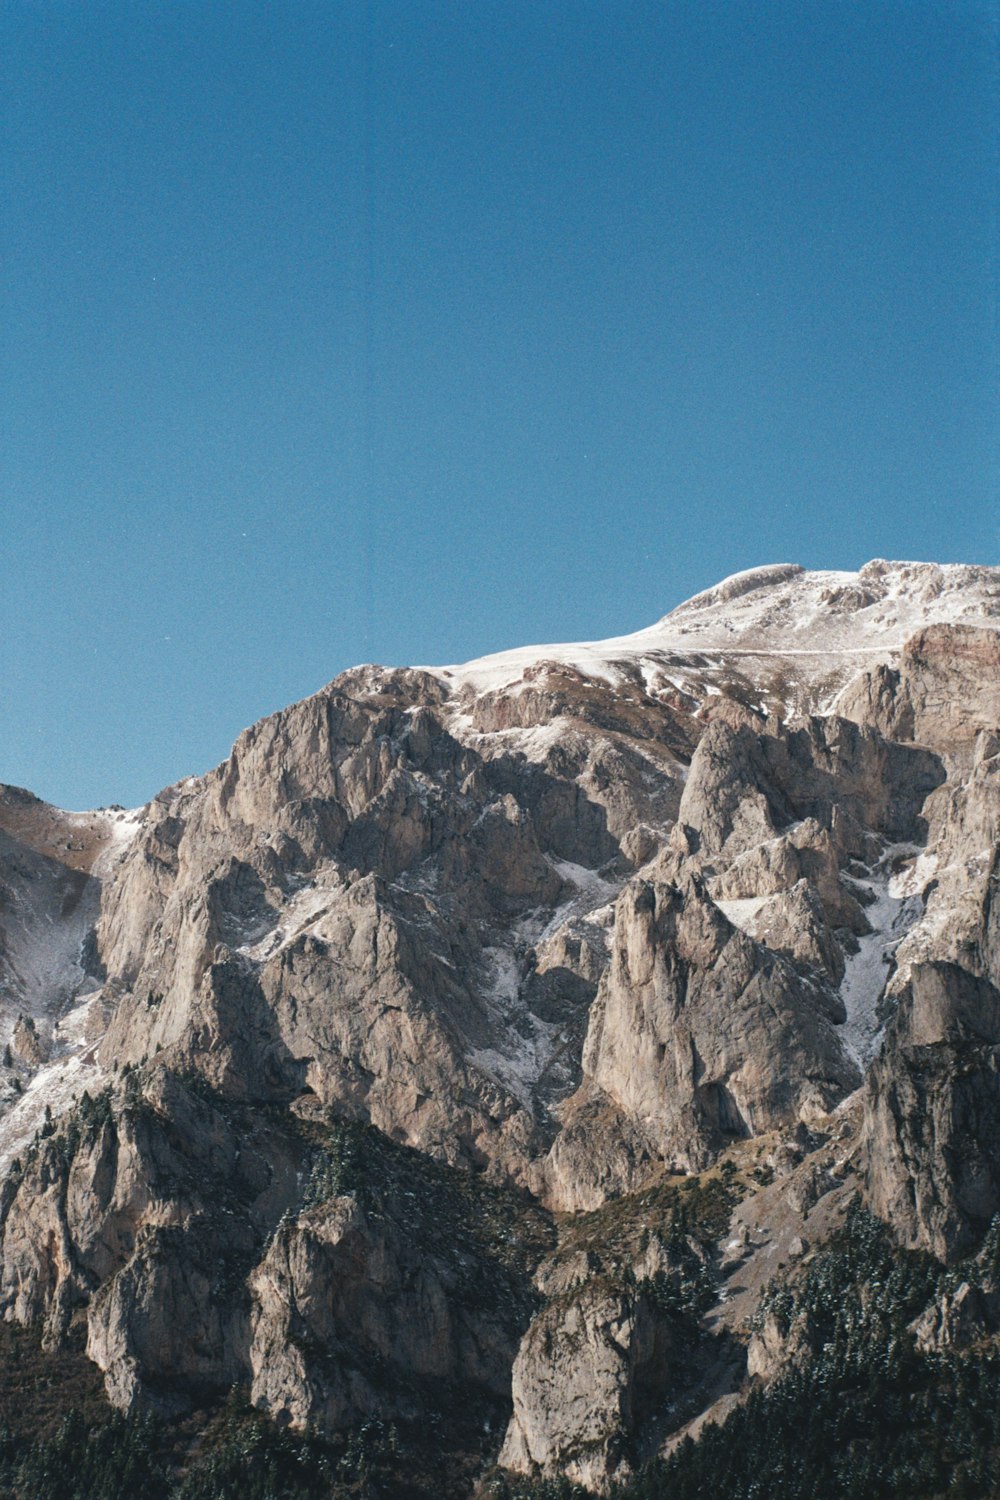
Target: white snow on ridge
{"type": "Point", "coordinates": [123, 825]}
{"type": "Point", "coordinates": [534, 743]}
{"type": "Point", "coordinates": [818, 617]}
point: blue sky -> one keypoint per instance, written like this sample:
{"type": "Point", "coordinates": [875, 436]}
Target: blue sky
{"type": "Point", "coordinates": [409, 331]}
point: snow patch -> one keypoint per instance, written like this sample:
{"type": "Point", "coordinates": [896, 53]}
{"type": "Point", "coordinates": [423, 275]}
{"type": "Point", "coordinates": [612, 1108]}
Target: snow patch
{"type": "Point", "coordinates": [525, 1043]}
{"type": "Point", "coordinates": [891, 916]}
{"type": "Point", "coordinates": [303, 910]}
{"type": "Point", "coordinates": [913, 878]}
{"type": "Point", "coordinates": [594, 893]}
{"type": "Point", "coordinates": [534, 743]}
{"type": "Point", "coordinates": [742, 911]}
{"type": "Point", "coordinates": [58, 1085]}
{"type": "Point", "coordinates": [45, 927]}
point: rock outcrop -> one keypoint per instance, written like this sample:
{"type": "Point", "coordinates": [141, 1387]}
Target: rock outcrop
{"type": "Point", "coordinates": [698, 1035]}
{"type": "Point", "coordinates": [944, 693]}
{"type": "Point", "coordinates": [593, 1364]}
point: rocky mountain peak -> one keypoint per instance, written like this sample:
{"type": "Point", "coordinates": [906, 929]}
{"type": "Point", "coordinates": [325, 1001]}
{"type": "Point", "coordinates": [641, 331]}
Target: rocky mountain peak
{"type": "Point", "coordinates": [568, 933]}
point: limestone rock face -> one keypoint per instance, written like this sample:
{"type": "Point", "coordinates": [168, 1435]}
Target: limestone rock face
{"type": "Point", "coordinates": [361, 922]}
{"type": "Point", "coordinates": [932, 1100]}
{"type": "Point", "coordinates": [805, 851]}
{"type": "Point", "coordinates": [144, 1210]}
{"type": "Point", "coordinates": [698, 1036]}
{"type": "Point", "coordinates": [26, 1045]}
{"type": "Point", "coordinates": [589, 1365]}
{"type": "Point", "coordinates": [349, 1318]}
{"type": "Point", "coordinates": [744, 788]}
{"type": "Point", "coordinates": [933, 1113]}
{"type": "Point", "coordinates": [945, 691]}
{"type": "Point", "coordinates": [793, 922]}
{"type": "Point", "coordinates": [953, 1322]}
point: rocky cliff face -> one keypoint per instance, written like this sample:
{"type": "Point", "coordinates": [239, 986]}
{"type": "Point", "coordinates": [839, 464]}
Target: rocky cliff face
{"type": "Point", "coordinates": [316, 1061]}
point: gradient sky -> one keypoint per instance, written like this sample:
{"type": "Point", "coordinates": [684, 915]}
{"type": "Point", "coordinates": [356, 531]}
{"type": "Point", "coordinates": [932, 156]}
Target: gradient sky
{"type": "Point", "coordinates": [410, 331]}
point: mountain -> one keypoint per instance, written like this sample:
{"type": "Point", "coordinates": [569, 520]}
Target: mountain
{"type": "Point", "coordinates": [510, 1056]}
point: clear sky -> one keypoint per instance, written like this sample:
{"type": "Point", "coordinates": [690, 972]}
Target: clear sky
{"type": "Point", "coordinates": [407, 330]}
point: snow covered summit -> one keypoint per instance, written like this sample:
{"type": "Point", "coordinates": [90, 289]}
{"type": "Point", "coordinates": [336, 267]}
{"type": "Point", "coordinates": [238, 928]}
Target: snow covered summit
{"type": "Point", "coordinates": [799, 635]}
